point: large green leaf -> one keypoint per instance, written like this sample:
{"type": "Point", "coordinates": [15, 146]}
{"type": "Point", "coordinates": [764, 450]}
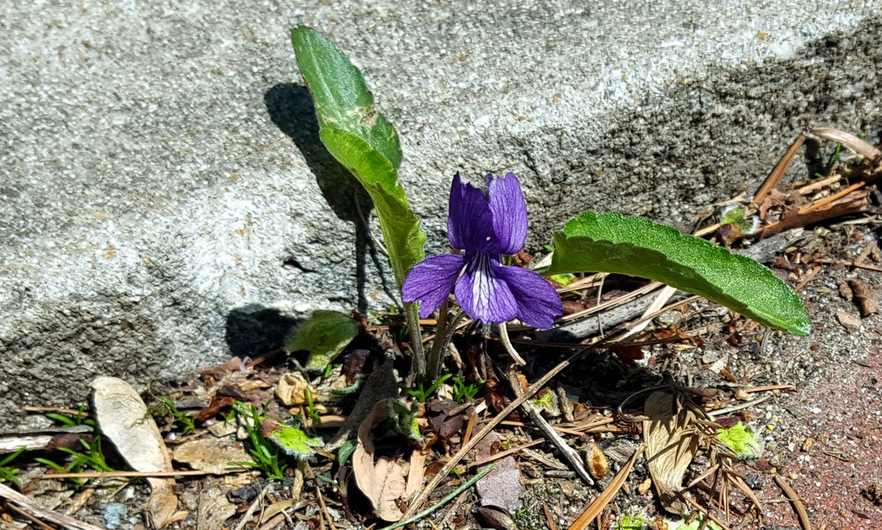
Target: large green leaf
{"type": "Point", "coordinates": [362, 140]}
{"type": "Point", "coordinates": [629, 245]}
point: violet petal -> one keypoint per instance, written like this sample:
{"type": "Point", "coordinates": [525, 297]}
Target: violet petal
{"type": "Point", "coordinates": [481, 294]}
{"type": "Point", "coordinates": [469, 221]}
{"type": "Point", "coordinates": [538, 303]}
{"type": "Point", "coordinates": [431, 281]}
{"type": "Point", "coordinates": [509, 212]}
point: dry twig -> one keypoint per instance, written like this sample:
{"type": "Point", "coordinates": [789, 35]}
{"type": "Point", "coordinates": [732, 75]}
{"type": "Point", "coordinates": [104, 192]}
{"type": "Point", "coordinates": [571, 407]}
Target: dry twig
{"type": "Point", "coordinates": [570, 455]}
{"type": "Point", "coordinates": [795, 501]}
{"type": "Point", "coordinates": [30, 507]}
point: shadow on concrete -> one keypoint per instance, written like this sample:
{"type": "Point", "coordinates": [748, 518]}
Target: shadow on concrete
{"type": "Point", "coordinates": [290, 107]}
{"type": "Point", "coordinates": [253, 330]}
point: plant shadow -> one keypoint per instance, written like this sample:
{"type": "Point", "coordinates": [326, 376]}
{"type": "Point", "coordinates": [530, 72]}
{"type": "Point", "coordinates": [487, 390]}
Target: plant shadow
{"type": "Point", "coordinates": [253, 330]}
{"type": "Point", "coordinates": [290, 108]}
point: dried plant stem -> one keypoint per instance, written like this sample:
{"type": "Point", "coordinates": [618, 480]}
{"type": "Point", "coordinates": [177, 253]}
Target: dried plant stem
{"type": "Point", "coordinates": [136, 474]}
{"type": "Point", "coordinates": [569, 454]}
{"type": "Point", "coordinates": [464, 450]}
{"type": "Point", "coordinates": [778, 171]}
{"type": "Point", "coordinates": [447, 498]}
{"type": "Point", "coordinates": [506, 343]}
{"type": "Point", "coordinates": [416, 339]}
{"type": "Point", "coordinates": [728, 410]}
{"type": "Point", "coordinates": [436, 353]}
{"type": "Point", "coordinates": [324, 508]}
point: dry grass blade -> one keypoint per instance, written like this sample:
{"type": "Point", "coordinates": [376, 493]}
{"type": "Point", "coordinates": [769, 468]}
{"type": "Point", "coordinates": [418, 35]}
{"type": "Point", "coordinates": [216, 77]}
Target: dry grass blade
{"type": "Point", "coordinates": [601, 501]}
{"type": "Point", "coordinates": [849, 140]}
{"type": "Point", "coordinates": [671, 443]}
{"type": "Point", "coordinates": [794, 499]}
{"type": "Point", "coordinates": [778, 171]}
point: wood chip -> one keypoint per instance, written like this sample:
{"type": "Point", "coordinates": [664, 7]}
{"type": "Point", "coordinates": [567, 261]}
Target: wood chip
{"type": "Point", "coordinates": [125, 421]}
{"type": "Point", "coordinates": [849, 321]}
{"type": "Point", "coordinates": [864, 297]}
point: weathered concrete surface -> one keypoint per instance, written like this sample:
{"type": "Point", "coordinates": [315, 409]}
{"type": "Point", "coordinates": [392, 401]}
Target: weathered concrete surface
{"type": "Point", "coordinates": [162, 194]}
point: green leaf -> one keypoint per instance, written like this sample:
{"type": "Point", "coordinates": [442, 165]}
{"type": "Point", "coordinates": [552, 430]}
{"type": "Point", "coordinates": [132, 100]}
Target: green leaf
{"type": "Point", "coordinates": [630, 245]}
{"type": "Point", "coordinates": [323, 335]}
{"type": "Point", "coordinates": [362, 140]}
{"type": "Point", "coordinates": [741, 440]}
{"type": "Point", "coordinates": [293, 441]}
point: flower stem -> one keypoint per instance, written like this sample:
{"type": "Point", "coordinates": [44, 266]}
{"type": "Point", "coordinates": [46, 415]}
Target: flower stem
{"type": "Point", "coordinates": [416, 340]}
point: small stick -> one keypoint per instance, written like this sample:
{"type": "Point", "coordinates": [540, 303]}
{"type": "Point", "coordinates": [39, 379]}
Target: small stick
{"type": "Point", "coordinates": [250, 512]}
{"type": "Point", "coordinates": [29, 517]}
{"type": "Point", "coordinates": [569, 454]}
{"type": "Point", "coordinates": [324, 507]}
{"type": "Point", "coordinates": [795, 501]}
{"type": "Point", "coordinates": [727, 410]}
{"type": "Point", "coordinates": [601, 501]}
{"type": "Point", "coordinates": [503, 454]}
{"type": "Point", "coordinates": [62, 410]}
{"type": "Point", "coordinates": [25, 504]}
{"type": "Point", "coordinates": [817, 185]}
{"type": "Point", "coordinates": [820, 203]}
{"type": "Point", "coordinates": [447, 498]}
{"type": "Point", "coordinates": [506, 343]}
{"type": "Point", "coordinates": [768, 388]}
{"type": "Point", "coordinates": [136, 474]}
{"type": "Point", "coordinates": [454, 460]}
{"type": "Point", "coordinates": [848, 264]}
{"type": "Point", "coordinates": [778, 171]}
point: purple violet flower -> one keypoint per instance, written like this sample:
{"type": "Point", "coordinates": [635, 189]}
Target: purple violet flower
{"type": "Point", "coordinates": [484, 226]}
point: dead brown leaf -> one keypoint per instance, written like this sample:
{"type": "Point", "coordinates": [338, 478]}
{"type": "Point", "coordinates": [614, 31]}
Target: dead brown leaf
{"type": "Point", "coordinates": [292, 389]}
{"type": "Point", "coordinates": [671, 443]}
{"type": "Point", "coordinates": [848, 320]}
{"type": "Point", "coordinates": [598, 465]}
{"type": "Point", "coordinates": [215, 455]}
{"type": "Point", "coordinates": [381, 479]}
